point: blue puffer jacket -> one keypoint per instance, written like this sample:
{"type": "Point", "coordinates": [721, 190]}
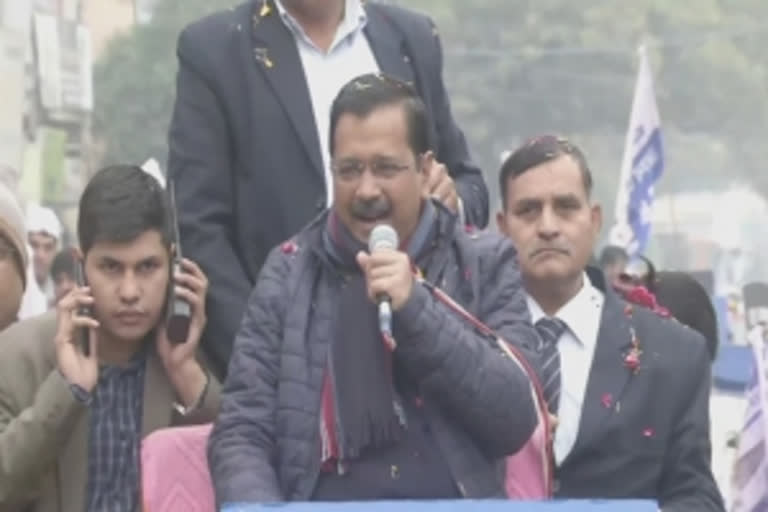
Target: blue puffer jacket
{"type": "Point", "coordinates": [265, 446]}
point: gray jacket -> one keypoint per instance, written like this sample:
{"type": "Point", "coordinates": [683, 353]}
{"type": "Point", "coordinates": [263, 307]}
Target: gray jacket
{"type": "Point", "coordinates": [265, 446]}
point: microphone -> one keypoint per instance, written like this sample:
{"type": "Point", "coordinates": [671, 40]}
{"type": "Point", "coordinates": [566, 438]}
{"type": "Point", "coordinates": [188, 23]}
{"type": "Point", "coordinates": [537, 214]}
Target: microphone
{"type": "Point", "coordinates": [383, 236]}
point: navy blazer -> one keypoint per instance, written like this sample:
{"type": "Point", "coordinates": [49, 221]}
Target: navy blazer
{"type": "Point", "coordinates": [244, 151]}
{"type": "Point", "coordinates": [644, 434]}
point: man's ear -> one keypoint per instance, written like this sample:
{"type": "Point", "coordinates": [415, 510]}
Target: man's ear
{"type": "Point", "coordinates": [426, 165]}
{"type": "Point", "coordinates": [501, 222]}
{"type": "Point", "coordinates": [596, 213]}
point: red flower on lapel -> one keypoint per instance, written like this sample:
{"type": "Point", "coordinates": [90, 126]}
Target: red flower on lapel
{"type": "Point", "coordinates": [632, 360]}
{"type": "Point", "coordinates": [648, 432]}
{"type": "Point", "coordinates": [289, 247]}
{"type": "Point", "coordinates": [632, 357]}
{"type": "Point", "coordinates": [640, 296]}
{"type": "Point", "coordinates": [607, 400]}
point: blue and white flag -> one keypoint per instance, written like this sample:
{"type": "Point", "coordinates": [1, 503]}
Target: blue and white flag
{"type": "Point", "coordinates": [750, 474]}
{"type": "Point", "coordinates": [641, 167]}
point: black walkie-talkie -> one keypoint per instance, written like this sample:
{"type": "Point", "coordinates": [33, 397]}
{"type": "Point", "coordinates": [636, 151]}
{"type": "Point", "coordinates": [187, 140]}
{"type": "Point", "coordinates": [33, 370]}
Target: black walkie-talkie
{"type": "Point", "coordinates": [85, 333]}
{"type": "Point", "coordinates": [178, 311]}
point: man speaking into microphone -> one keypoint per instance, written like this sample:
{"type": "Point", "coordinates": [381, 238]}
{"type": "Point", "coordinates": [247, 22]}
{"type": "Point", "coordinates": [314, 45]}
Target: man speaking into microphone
{"type": "Point", "coordinates": [352, 378]}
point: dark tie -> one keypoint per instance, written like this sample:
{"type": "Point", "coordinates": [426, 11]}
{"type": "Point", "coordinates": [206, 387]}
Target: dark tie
{"type": "Point", "coordinates": [550, 330]}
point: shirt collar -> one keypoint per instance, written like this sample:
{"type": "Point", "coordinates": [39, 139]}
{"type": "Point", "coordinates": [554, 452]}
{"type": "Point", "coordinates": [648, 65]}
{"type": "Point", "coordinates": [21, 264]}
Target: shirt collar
{"type": "Point", "coordinates": [355, 19]}
{"type": "Point", "coordinates": [581, 314]}
{"type": "Point", "coordinates": [135, 365]}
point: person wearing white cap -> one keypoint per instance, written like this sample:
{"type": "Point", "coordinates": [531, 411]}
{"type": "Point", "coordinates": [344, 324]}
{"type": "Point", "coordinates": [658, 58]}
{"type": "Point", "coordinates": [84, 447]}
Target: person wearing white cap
{"type": "Point", "coordinates": [43, 235]}
{"type": "Point", "coordinates": [13, 257]}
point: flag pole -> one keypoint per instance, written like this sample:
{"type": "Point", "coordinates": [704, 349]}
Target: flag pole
{"type": "Point", "coordinates": [626, 157]}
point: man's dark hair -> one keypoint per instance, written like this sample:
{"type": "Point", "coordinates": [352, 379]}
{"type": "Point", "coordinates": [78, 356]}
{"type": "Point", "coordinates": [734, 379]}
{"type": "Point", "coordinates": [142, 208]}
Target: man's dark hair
{"type": "Point", "coordinates": [366, 93]}
{"type": "Point", "coordinates": [119, 204]}
{"type": "Point", "coordinates": [63, 263]}
{"type": "Point", "coordinates": [612, 254]}
{"type": "Point", "coordinates": [688, 301]}
{"type": "Point", "coordinates": [537, 151]}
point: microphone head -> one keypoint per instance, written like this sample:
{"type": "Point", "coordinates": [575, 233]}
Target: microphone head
{"type": "Point", "coordinates": [383, 236]}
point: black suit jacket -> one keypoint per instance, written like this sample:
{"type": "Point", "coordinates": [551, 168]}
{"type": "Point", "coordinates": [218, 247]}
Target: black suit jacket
{"type": "Point", "coordinates": [644, 435]}
{"type": "Point", "coordinates": [244, 151]}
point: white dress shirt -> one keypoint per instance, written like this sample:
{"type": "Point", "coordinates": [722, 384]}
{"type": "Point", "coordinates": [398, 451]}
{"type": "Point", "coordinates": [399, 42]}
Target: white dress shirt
{"type": "Point", "coordinates": [34, 301]}
{"type": "Point", "coordinates": [349, 56]}
{"type": "Point", "coordinates": [577, 349]}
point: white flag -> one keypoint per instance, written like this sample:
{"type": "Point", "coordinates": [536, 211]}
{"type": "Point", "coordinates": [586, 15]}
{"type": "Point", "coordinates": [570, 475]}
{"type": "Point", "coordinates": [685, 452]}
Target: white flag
{"type": "Point", "coordinates": [641, 166]}
{"type": "Point", "coordinates": [750, 475]}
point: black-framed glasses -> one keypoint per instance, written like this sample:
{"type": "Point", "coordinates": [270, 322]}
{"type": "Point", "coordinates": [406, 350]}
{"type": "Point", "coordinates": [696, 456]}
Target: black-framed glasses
{"type": "Point", "coordinates": [352, 170]}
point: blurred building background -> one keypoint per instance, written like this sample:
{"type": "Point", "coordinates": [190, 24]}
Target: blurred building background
{"type": "Point", "coordinates": [48, 49]}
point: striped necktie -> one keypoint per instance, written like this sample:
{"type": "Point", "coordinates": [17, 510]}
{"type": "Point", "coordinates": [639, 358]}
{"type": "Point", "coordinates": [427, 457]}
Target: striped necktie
{"type": "Point", "coordinates": [550, 330]}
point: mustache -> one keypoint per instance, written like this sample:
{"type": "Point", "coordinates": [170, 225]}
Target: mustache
{"type": "Point", "coordinates": [372, 209]}
{"type": "Point", "coordinates": [539, 250]}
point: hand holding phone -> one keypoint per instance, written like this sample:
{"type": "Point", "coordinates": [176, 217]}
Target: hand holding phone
{"type": "Point", "coordinates": [191, 286]}
{"type": "Point", "coordinates": [84, 310]}
{"type": "Point", "coordinates": [178, 310]}
{"type": "Point", "coordinates": [75, 339]}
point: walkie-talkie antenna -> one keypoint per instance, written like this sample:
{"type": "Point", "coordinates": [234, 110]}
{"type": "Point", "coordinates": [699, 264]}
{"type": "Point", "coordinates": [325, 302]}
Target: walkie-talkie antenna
{"type": "Point", "coordinates": [174, 221]}
{"type": "Point", "coordinates": [83, 310]}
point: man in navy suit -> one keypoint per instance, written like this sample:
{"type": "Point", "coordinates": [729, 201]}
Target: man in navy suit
{"type": "Point", "coordinates": [630, 389]}
{"type": "Point", "coordinates": [249, 135]}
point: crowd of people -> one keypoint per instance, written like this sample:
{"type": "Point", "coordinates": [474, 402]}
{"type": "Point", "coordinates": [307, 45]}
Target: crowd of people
{"type": "Point", "coordinates": [332, 368]}
{"type": "Point", "coordinates": [42, 267]}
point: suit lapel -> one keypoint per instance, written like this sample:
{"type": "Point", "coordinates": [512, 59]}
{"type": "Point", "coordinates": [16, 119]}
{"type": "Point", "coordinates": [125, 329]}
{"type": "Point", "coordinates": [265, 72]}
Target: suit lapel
{"type": "Point", "coordinates": [388, 44]}
{"type": "Point", "coordinates": [73, 466]}
{"type": "Point", "coordinates": [608, 378]}
{"type": "Point", "coordinates": [276, 55]}
{"type": "Point", "coordinates": [158, 397]}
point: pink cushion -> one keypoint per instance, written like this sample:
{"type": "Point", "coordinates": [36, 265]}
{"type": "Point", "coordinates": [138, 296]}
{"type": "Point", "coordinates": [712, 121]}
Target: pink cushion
{"type": "Point", "coordinates": [527, 472]}
{"type": "Point", "coordinates": [174, 471]}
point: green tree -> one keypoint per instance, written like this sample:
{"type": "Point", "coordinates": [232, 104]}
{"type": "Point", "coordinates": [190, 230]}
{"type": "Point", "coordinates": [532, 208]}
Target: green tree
{"type": "Point", "coordinates": [570, 67]}
{"type": "Point", "coordinates": [134, 83]}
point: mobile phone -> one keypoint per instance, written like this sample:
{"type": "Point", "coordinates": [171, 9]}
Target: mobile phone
{"type": "Point", "coordinates": [84, 335]}
{"type": "Point", "coordinates": [178, 311]}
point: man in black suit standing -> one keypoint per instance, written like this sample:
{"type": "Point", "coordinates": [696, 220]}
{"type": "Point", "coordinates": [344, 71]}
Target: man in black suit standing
{"type": "Point", "coordinates": [249, 135]}
{"type": "Point", "coordinates": [630, 389]}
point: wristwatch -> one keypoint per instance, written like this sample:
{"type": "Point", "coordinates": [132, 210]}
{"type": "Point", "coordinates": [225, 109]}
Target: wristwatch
{"type": "Point", "coordinates": [186, 411]}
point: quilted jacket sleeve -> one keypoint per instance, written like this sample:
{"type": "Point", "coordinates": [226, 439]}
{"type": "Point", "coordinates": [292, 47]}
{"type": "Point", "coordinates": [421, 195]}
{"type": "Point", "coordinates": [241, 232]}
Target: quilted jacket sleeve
{"type": "Point", "coordinates": [462, 370]}
{"type": "Point", "coordinates": [241, 450]}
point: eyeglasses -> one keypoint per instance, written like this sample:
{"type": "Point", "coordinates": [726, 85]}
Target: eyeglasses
{"type": "Point", "coordinates": [352, 170]}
